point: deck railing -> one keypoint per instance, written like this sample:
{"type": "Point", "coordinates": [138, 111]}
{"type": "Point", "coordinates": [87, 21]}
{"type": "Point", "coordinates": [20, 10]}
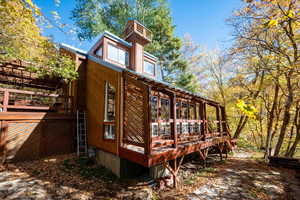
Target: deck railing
{"type": "Point", "coordinates": [21, 100]}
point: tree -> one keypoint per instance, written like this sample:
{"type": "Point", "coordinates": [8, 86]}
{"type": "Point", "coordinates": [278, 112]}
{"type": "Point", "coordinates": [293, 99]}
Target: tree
{"type": "Point", "coordinates": [21, 39]}
{"type": "Point", "coordinates": [269, 31]}
{"type": "Point", "coordinates": [95, 16]}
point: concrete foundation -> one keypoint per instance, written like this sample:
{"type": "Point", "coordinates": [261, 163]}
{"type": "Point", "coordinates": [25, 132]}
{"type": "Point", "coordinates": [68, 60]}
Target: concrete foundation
{"type": "Point", "coordinates": [109, 161]}
{"type": "Point", "coordinates": [122, 168]}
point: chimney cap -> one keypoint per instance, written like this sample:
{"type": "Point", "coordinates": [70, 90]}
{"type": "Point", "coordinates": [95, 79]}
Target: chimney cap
{"type": "Point", "coordinates": [134, 30]}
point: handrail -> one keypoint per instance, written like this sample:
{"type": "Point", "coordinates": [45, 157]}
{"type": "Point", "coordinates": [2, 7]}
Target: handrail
{"type": "Point", "coordinates": [66, 101]}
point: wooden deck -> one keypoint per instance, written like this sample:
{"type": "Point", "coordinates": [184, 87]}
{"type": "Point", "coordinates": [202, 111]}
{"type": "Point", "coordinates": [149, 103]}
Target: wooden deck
{"type": "Point", "coordinates": [163, 123]}
{"type": "Point", "coordinates": [13, 100]}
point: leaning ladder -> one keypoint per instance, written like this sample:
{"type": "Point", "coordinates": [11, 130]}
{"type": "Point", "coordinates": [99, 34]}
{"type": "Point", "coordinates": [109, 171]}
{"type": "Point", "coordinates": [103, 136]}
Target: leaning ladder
{"type": "Point", "coordinates": [81, 134]}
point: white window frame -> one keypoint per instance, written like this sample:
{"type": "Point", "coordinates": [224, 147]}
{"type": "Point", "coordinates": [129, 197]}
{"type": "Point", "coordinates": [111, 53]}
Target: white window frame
{"type": "Point", "coordinates": [110, 124]}
{"type": "Point", "coordinates": [144, 68]}
{"type": "Point", "coordinates": [122, 61]}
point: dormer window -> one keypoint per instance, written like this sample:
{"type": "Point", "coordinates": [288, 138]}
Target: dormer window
{"type": "Point", "coordinates": [149, 68]}
{"type": "Point", "coordinates": [118, 55]}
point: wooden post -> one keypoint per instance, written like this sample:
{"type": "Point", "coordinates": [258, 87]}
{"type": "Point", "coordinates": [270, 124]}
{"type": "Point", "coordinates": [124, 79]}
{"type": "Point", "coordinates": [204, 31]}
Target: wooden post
{"type": "Point", "coordinates": [5, 100]}
{"type": "Point", "coordinates": [174, 174]}
{"type": "Point", "coordinates": [147, 122]}
{"type": "Point", "coordinates": [173, 116]}
{"type": "Point", "coordinates": [203, 155]}
{"type": "Point", "coordinates": [205, 121]}
{"type": "Point", "coordinates": [174, 171]}
{"type": "Point", "coordinates": [201, 110]}
{"type": "Point", "coordinates": [218, 119]}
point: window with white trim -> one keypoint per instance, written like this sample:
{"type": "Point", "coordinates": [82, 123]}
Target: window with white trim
{"type": "Point", "coordinates": [109, 111]}
{"type": "Point", "coordinates": [118, 55]}
{"type": "Point", "coordinates": [149, 67]}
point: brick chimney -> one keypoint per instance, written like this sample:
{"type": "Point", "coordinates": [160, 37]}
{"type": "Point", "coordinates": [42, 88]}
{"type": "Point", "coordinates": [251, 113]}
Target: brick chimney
{"type": "Point", "coordinates": [139, 36]}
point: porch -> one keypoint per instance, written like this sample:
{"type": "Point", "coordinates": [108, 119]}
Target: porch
{"type": "Point", "coordinates": [35, 113]}
{"type": "Point", "coordinates": [162, 123]}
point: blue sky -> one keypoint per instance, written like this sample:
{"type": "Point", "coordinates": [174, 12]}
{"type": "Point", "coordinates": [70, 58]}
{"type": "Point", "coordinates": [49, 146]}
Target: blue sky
{"type": "Point", "coordinates": [204, 20]}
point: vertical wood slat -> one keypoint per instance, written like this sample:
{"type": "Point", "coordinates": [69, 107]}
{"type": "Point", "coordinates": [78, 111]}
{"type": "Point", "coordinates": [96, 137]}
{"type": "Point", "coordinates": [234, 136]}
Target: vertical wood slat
{"type": "Point", "coordinates": [5, 100]}
{"type": "Point", "coordinates": [173, 116]}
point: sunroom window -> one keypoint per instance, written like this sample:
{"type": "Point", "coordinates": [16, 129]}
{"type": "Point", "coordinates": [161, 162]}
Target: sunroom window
{"type": "Point", "coordinates": [109, 111]}
{"type": "Point", "coordinates": [118, 55]}
{"type": "Point", "coordinates": [154, 113]}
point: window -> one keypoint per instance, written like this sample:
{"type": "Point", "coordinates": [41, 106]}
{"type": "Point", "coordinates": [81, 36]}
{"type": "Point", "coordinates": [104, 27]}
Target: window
{"type": "Point", "coordinates": [185, 127]}
{"type": "Point", "coordinates": [192, 112]}
{"type": "Point", "coordinates": [197, 128]}
{"type": "Point", "coordinates": [154, 112]}
{"type": "Point", "coordinates": [154, 108]}
{"type": "Point", "coordinates": [149, 68]}
{"type": "Point", "coordinates": [185, 111]}
{"type": "Point", "coordinates": [109, 131]}
{"type": "Point", "coordinates": [99, 51]}
{"type": "Point", "coordinates": [165, 109]}
{"type": "Point", "coordinates": [197, 111]}
{"type": "Point", "coordinates": [178, 128]}
{"type": "Point", "coordinates": [154, 129]}
{"type": "Point", "coordinates": [118, 55]}
{"type": "Point", "coordinates": [109, 111]}
{"type": "Point", "coordinates": [165, 129]}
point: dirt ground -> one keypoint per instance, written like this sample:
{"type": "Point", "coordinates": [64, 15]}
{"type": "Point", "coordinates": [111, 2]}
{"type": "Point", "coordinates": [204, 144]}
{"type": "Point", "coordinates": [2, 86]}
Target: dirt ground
{"type": "Point", "coordinates": [67, 177]}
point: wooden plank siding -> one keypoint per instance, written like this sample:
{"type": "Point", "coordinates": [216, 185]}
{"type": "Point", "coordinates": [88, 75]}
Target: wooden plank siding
{"type": "Point", "coordinates": [96, 75]}
{"type": "Point", "coordinates": [27, 136]}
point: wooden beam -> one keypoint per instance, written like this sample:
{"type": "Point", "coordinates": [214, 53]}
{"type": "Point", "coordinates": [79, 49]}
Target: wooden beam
{"type": "Point", "coordinates": [5, 100]}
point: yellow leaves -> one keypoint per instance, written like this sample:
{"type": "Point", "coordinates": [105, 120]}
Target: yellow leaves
{"type": "Point", "coordinates": [291, 14]}
{"type": "Point", "coordinates": [272, 23]}
{"type": "Point", "coordinates": [247, 109]}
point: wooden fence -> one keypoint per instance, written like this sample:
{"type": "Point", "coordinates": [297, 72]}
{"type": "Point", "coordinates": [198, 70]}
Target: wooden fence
{"type": "Point", "coordinates": [27, 136]}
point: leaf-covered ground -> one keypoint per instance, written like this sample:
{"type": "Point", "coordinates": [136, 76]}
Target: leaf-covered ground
{"type": "Point", "coordinates": [67, 177]}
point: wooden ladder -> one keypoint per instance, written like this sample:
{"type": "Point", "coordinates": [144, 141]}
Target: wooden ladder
{"type": "Point", "coordinates": [81, 133]}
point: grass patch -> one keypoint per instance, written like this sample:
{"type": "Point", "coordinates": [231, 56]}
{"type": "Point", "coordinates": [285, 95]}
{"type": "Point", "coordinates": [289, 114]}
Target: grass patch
{"type": "Point", "coordinates": [206, 171]}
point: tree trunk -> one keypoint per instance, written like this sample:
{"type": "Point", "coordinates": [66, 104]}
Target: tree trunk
{"type": "Point", "coordinates": [270, 123]}
{"type": "Point", "coordinates": [242, 122]}
{"type": "Point", "coordinates": [286, 116]}
{"type": "Point", "coordinates": [292, 150]}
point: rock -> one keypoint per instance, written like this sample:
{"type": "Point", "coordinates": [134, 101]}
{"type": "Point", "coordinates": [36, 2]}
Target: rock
{"type": "Point", "coordinates": [143, 194]}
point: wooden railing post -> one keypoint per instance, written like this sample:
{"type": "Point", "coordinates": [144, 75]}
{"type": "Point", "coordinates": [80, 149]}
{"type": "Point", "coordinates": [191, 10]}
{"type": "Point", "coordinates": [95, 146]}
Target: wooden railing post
{"type": "Point", "coordinates": [5, 100]}
{"type": "Point", "coordinates": [218, 119]}
{"type": "Point", "coordinates": [173, 116]}
{"type": "Point", "coordinates": [205, 121]}
{"type": "Point", "coordinates": [148, 135]}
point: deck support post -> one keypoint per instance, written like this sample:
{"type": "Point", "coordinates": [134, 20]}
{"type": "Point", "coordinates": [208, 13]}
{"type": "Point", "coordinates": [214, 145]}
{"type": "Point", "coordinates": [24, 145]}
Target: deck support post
{"type": "Point", "coordinates": [221, 147]}
{"type": "Point", "coordinates": [203, 155]}
{"type": "Point", "coordinates": [174, 170]}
